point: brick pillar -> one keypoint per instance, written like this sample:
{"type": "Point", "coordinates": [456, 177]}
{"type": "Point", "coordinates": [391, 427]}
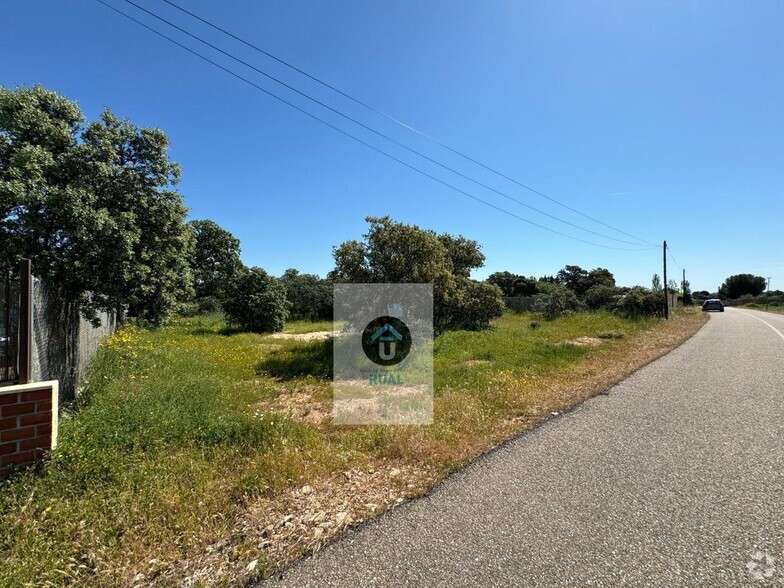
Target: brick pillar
{"type": "Point", "coordinates": [28, 424]}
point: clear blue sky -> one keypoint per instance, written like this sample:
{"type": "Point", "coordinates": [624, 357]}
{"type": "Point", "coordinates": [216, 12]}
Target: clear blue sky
{"type": "Point", "coordinates": [664, 119]}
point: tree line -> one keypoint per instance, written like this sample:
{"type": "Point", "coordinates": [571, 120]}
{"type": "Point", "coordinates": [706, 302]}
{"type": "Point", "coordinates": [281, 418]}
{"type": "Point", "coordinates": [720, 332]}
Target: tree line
{"type": "Point", "coordinates": [95, 206]}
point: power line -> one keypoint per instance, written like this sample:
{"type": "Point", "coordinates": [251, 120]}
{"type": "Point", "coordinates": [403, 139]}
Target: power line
{"type": "Point", "coordinates": [669, 252]}
{"type": "Point", "coordinates": [402, 124]}
{"type": "Point", "coordinates": [370, 129]}
{"type": "Point", "coordinates": [355, 138]}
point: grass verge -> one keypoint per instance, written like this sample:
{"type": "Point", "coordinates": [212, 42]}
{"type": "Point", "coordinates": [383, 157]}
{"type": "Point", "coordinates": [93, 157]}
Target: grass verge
{"type": "Point", "coordinates": [774, 307]}
{"type": "Point", "coordinates": [203, 457]}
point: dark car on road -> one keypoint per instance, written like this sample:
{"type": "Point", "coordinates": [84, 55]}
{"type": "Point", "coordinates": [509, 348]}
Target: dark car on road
{"type": "Point", "coordinates": [713, 304]}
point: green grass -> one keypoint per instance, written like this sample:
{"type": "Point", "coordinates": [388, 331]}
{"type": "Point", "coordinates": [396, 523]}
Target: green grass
{"type": "Point", "coordinates": [773, 307]}
{"type": "Point", "coordinates": [512, 346]}
{"type": "Point", "coordinates": [298, 359]}
{"type": "Point", "coordinates": [172, 440]}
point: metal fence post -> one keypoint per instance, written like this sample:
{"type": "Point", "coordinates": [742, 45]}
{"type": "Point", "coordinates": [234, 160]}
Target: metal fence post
{"type": "Point", "coordinates": [25, 319]}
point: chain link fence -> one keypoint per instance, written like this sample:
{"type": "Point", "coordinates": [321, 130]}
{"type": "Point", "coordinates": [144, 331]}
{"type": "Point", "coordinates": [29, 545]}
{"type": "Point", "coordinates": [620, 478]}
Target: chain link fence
{"type": "Point", "coordinates": [63, 341]}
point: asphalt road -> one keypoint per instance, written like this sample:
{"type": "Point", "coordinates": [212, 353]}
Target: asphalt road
{"type": "Point", "coordinates": [674, 479]}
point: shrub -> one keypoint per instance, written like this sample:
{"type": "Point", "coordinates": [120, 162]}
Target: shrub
{"type": "Point", "coordinates": [600, 296]}
{"type": "Point", "coordinates": [256, 302]}
{"type": "Point", "coordinates": [472, 306]}
{"type": "Point", "coordinates": [640, 301]}
{"type": "Point", "coordinates": [562, 302]}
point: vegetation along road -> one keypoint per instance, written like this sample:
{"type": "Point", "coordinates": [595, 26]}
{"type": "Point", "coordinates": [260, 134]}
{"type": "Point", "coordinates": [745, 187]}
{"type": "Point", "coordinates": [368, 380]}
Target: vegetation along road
{"type": "Point", "coordinates": [674, 479]}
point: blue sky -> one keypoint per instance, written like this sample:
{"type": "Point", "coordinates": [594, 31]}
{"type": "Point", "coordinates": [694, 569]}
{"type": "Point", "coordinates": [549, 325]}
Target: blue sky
{"type": "Point", "coordinates": [663, 119]}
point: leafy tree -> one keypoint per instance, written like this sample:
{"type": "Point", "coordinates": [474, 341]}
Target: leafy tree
{"type": "Point", "coordinates": [686, 296]}
{"type": "Point", "coordinates": [393, 252]}
{"type": "Point", "coordinates": [580, 281]}
{"type": "Point", "coordinates": [599, 277]}
{"type": "Point", "coordinates": [573, 277]}
{"type": "Point", "coordinates": [256, 302]}
{"type": "Point", "coordinates": [309, 295]}
{"type": "Point", "coordinates": [214, 260]}
{"type": "Point", "coordinates": [351, 264]}
{"type": "Point", "coordinates": [656, 284]}
{"type": "Point", "coordinates": [506, 281]}
{"type": "Point", "coordinates": [513, 284]}
{"type": "Point", "coordinates": [465, 254]}
{"type": "Point", "coordinates": [91, 205]}
{"type": "Point", "coordinates": [545, 287]}
{"type": "Point", "coordinates": [740, 284]}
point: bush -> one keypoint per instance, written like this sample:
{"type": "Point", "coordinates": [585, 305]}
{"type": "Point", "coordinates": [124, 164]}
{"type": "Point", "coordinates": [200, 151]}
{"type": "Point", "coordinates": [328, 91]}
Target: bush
{"type": "Point", "coordinates": [640, 301]}
{"type": "Point", "coordinates": [472, 306]}
{"type": "Point", "coordinates": [562, 302]}
{"type": "Point", "coordinates": [600, 296]}
{"type": "Point", "coordinates": [188, 309]}
{"type": "Point", "coordinates": [257, 302]}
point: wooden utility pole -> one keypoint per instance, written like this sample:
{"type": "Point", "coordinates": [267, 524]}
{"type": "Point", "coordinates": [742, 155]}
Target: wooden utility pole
{"type": "Point", "coordinates": [666, 292]}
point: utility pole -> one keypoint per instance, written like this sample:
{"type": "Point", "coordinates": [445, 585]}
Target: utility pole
{"type": "Point", "coordinates": [666, 293]}
{"type": "Point", "coordinates": [767, 296]}
{"type": "Point", "coordinates": [683, 285]}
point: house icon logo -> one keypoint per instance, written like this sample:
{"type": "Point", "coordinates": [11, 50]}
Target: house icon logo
{"type": "Point", "coordinates": [386, 340]}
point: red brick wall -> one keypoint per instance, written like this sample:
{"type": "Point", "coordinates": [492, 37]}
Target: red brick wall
{"type": "Point", "coordinates": [28, 424]}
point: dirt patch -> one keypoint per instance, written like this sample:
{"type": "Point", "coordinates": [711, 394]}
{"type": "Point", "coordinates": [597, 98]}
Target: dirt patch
{"type": "Point", "coordinates": [584, 341]}
{"type": "Point", "coordinates": [473, 362]}
{"type": "Point", "coordinates": [314, 336]}
{"type": "Point", "coordinates": [299, 406]}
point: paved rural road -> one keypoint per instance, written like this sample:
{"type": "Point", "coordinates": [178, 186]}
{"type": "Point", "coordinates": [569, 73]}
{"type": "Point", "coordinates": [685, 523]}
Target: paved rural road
{"type": "Point", "coordinates": [674, 479]}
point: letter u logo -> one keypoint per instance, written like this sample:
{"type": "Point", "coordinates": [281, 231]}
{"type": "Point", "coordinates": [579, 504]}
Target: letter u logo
{"type": "Point", "coordinates": [390, 354]}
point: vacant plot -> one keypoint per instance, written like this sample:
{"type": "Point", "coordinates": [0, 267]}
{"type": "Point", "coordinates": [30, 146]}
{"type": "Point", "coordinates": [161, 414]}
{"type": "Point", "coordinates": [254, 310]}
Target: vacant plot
{"type": "Point", "coordinates": [202, 456]}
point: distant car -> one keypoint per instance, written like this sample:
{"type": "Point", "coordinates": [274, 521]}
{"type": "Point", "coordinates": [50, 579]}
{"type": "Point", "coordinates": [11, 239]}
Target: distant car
{"type": "Point", "coordinates": [713, 304]}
